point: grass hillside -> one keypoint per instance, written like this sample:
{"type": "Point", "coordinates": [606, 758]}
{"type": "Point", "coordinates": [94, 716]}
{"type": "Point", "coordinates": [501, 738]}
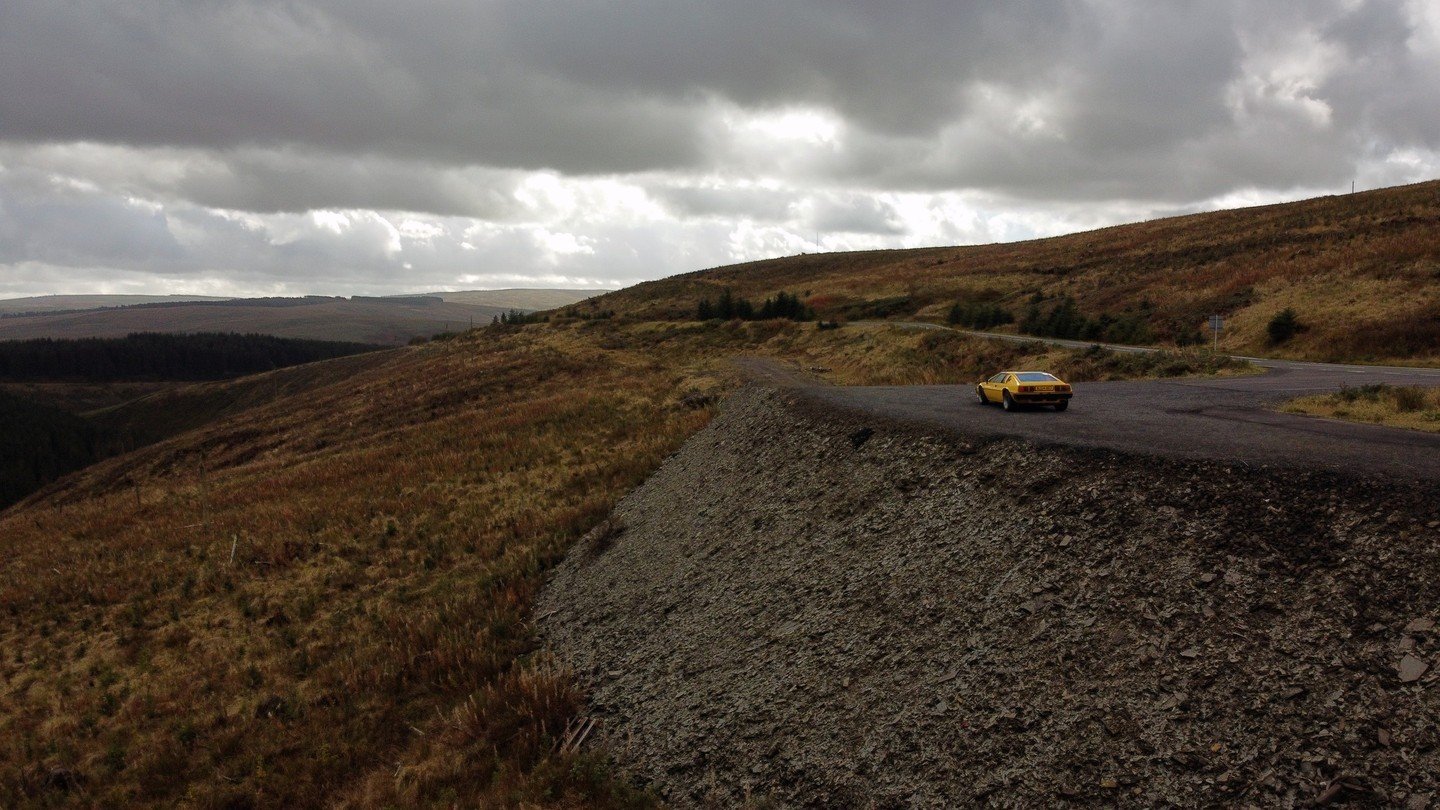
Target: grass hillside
{"type": "Point", "coordinates": [39, 443]}
{"type": "Point", "coordinates": [316, 586]}
{"type": "Point", "coordinates": [65, 401]}
{"type": "Point", "coordinates": [1361, 271]}
{"type": "Point", "coordinates": [320, 591]}
{"type": "Point", "coordinates": [281, 607]}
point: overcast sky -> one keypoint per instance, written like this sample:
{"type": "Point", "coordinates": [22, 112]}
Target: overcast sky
{"type": "Point", "coordinates": [358, 146]}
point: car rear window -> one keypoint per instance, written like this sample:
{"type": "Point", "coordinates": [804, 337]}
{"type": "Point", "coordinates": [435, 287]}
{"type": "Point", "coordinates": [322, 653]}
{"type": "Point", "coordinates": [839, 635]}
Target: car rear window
{"type": "Point", "coordinates": [1035, 376]}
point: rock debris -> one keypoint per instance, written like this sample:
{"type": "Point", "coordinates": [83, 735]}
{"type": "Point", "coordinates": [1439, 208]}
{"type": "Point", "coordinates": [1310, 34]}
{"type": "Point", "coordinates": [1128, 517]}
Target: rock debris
{"type": "Point", "coordinates": [795, 617]}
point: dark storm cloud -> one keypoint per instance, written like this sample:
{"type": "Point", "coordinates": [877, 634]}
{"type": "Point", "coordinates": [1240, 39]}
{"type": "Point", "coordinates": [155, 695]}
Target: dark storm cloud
{"type": "Point", "coordinates": [889, 67]}
{"type": "Point", "coordinates": [417, 82]}
{"type": "Point", "coordinates": [619, 87]}
{"type": "Point", "coordinates": [593, 135]}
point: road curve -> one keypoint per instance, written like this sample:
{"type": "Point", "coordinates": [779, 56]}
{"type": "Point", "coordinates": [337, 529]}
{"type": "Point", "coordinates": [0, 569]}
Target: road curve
{"type": "Point", "coordinates": [1220, 418]}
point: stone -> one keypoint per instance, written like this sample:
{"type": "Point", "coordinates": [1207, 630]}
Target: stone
{"type": "Point", "coordinates": [1411, 668]}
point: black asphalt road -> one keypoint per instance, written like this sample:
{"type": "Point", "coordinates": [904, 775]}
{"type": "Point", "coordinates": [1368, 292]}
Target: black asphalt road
{"type": "Point", "coordinates": [1228, 418]}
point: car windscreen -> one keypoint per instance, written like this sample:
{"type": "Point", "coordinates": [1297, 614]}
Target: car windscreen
{"type": "Point", "coordinates": [1035, 376]}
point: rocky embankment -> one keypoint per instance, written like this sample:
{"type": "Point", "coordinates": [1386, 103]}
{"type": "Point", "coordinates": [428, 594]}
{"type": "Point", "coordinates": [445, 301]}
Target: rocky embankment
{"type": "Point", "coordinates": [808, 608]}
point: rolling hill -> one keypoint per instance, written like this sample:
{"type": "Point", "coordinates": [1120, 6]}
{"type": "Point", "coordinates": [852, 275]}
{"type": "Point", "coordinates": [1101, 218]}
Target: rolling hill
{"type": "Point", "coordinates": [391, 320]}
{"type": "Point", "coordinates": [317, 585]}
{"type": "Point", "coordinates": [320, 572]}
{"type": "Point", "coordinates": [58, 303]}
{"type": "Point", "coordinates": [527, 300]}
{"type": "Point", "coordinates": [1362, 272]}
{"type": "Point", "coordinates": [385, 321]}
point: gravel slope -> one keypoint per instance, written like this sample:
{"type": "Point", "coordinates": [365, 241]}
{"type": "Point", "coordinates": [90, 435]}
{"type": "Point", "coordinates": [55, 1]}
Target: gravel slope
{"type": "Point", "coordinates": [815, 608]}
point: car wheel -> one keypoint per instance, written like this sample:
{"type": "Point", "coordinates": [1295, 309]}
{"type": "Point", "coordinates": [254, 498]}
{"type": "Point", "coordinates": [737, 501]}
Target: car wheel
{"type": "Point", "coordinates": [1062, 405]}
{"type": "Point", "coordinates": [980, 392]}
{"type": "Point", "coordinates": [1008, 402]}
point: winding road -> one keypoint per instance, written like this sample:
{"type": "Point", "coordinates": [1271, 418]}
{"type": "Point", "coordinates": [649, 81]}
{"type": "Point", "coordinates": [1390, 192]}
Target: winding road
{"type": "Point", "coordinates": [1220, 418]}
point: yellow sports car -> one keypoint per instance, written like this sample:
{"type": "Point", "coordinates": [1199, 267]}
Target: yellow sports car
{"type": "Point", "coordinates": [1015, 388]}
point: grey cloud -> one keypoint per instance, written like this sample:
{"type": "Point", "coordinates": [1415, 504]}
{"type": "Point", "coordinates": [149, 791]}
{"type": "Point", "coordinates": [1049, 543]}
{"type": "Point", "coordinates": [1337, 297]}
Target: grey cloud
{"type": "Point", "coordinates": [129, 128]}
{"type": "Point", "coordinates": [856, 214]}
{"type": "Point", "coordinates": [634, 86]}
{"type": "Point", "coordinates": [87, 238]}
{"type": "Point", "coordinates": [762, 204]}
{"type": "Point", "coordinates": [892, 68]}
{"type": "Point", "coordinates": [278, 180]}
{"type": "Point", "coordinates": [287, 181]}
{"type": "Point", "coordinates": [242, 74]}
{"type": "Point", "coordinates": [55, 224]}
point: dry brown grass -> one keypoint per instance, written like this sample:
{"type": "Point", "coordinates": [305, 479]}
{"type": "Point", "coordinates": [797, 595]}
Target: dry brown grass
{"type": "Point", "coordinates": [1394, 406]}
{"type": "Point", "coordinates": [897, 355]}
{"type": "Point", "coordinates": [324, 598]}
{"type": "Point", "coordinates": [1363, 271]}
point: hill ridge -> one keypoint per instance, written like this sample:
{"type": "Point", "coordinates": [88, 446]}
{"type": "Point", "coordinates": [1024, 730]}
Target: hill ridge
{"type": "Point", "coordinates": [1361, 270]}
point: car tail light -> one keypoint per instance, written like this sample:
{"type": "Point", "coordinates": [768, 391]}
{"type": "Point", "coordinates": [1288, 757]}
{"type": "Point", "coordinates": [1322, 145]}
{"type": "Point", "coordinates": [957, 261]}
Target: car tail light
{"type": "Point", "coordinates": [1026, 388]}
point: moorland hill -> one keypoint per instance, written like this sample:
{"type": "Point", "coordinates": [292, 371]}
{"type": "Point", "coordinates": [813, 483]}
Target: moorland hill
{"type": "Point", "coordinates": [1361, 272]}
{"type": "Point", "coordinates": [316, 585]}
{"type": "Point", "coordinates": [389, 320]}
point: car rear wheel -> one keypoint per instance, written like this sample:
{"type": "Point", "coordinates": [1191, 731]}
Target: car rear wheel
{"type": "Point", "coordinates": [980, 392]}
{"type": "Point", "coordinates": [1008, 402]}
{"type": "Point", "coordinates": [1061, 405]}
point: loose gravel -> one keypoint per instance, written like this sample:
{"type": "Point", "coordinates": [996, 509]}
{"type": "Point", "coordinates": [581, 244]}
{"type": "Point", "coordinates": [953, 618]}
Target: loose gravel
{"type": "Point", "coordinates": [806, 607]}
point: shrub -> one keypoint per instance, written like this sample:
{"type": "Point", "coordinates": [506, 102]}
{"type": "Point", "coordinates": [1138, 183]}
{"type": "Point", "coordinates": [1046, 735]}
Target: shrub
{"type": "Point", "coordinates": [1408, 399]}
{"type": "Point", "coordinates": [879, 308]}
{"type": "Point", "coordinates": [517, 317]}
{"type": "Point", "coordinates": [1283, 326]}
{"type": "Point", "coordinates": [731, 307]}
{"type": "Point", "coordinates": [784, 305]}
{"type": "Point", "coordinates": [979, 316]}
{"type": "Point", "coordinates": [1064, 320]}
{"type": "Point", "coordinates": [1369, 393]}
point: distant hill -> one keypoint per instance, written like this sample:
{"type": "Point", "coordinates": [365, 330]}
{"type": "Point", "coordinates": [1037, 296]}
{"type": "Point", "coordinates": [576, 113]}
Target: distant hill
{"type": "Point", "coordinates": [390, 322]}
{"type": "Point", "coordinates": [386, 320]}
{"type": "Point", "coordinates": [1361, 271]}
{"type": "Point", "coordinates": [44, 433]}
{"type": "Point", "coordinates": [522, 299]}
{"type": "Point", "coordinates": [156, 357]}
{"type": "Point", "coordinates": [52, 303]}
